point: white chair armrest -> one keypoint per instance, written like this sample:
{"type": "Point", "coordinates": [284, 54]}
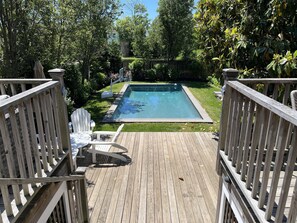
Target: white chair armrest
{"type": "Point", "coordinates": [94, 143]}
{"type": "Point", "coordinates": [104, 132]}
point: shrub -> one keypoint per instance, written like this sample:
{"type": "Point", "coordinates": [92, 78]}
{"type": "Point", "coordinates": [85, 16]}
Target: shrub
{"type": "Point", "coordinates": [198, 70]}
{"type": "Point", "coordinates": [283, 65]}
{"type": "Point", "coordinates": [77, 91]}
{"type": "Point", "coordinates": [213, 81]}
{"type": "Point", "coordinates": [150, 75]}
{"type": "Point", "coordinates": [82, 94]}
{"type": "Point", "coordinates": [161, 72]}
{"type": "Point", "coordinates": [137, 69]}
{"type": "Point", "coordinates": [99, 81]}
{"type": "Point", "coordinates": [173, 74]}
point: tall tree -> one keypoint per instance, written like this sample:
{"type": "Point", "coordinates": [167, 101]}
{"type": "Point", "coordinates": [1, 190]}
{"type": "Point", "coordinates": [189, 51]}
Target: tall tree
{"type": "Point", "coordinates": [177, 25]}
{"type": "Point", "coordinates": [94, 23]}
{"type": "Point", "coordinates": [22, 29]}
{"type": "Point", "coordinates": [9, 24]}
{"type": "Point", "coordinates": [53, 31]}
{"type": "Point", "coordinates": [132, 29]}
{"type": "Point", "coordinates": [154, 40]}
{"type": "Point", "coordinates": [124, 28]}
{"type": "Point", "coordinates": [140, 22]}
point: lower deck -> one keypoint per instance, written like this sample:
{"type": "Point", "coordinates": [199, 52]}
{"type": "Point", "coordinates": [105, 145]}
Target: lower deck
{"type": "Point", "coordinates": [171, 178]}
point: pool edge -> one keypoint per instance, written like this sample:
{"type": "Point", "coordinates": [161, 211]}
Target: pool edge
{"type": "Point", "coordinates": [205, 117]}
{"type": "Point", "coordinates": [111, 110]}
{"type": "Point", "coordinates": [197, 105]}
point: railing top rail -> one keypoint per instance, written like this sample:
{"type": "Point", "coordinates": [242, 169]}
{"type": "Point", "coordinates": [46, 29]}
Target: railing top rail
{"type": "Point", "coordinates": [23, 81]}
{"type": "Point", "coordinates": [17, 181]}
{"type": "Point", "coordinates": [14, 100]}
{"type": "Point", "coordinates": [280, 109]}
{"type": "Point", "coordinates": [268, 80]}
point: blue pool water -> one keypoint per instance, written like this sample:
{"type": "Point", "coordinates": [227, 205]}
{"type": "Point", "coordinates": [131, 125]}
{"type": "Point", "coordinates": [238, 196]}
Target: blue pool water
{"type": "Point", "coordinates": [155, 102]}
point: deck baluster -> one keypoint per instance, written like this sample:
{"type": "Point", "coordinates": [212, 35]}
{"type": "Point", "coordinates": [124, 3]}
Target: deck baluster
{"type": "Point", "coordinates": [247, 140]}
{"type": "Point", "coordinates": [288, 176]}
{"type": "Point", "coordinates": [254, 146]}
{"type": "Point", "coordinates": [281, 144]}
{"type": "Point", "coordinates": [237, 126]}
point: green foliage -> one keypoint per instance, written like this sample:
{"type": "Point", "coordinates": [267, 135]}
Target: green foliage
{"type": "Point", "coordinates": [198, 70]}
{"type": "Point", "coordinates": [137, 69]}
{"type": "Point", "coordinates": [150, 75]}
{"type": "Point", "coordinates": [54, 32]}
{"type": "Point", "coordinates": [244, 34]}
{"type": "Point", "coordinates": [284, 66]}
{"type": "Point", "coordinates": [156, 48]}
{"type": "Point", "coordinates": [161, 71]}
{"type": "Point", "coordinates": [73, 78]}
{"type": "Point", "coordinates": [141, 22]}
{"type": "Point", "coordinates": [108, 61]}
{"type": "Point", "coordinates": [212, 80]}
{"type": "Point", "coordinates": [176, 26]}
{"type": "Point", "coordinates": [124, 28]}
{"type": "Point", "coordinates": [24, 35]}
{"type": "Point", "coordinates": [99, 81]}
{"type": "Point", "coordinates": [96, 20]}
{"type": "Point", "coordinates": [78, 92]}
{"type": "Point", "coordinates": [173, 74]}
{"type": "Point", "coordinates": [132, 30]}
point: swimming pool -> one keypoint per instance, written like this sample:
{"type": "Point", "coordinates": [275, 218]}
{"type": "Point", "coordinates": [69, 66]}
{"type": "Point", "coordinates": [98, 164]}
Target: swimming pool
{"type": "Point", "coordinates": [156, 103]}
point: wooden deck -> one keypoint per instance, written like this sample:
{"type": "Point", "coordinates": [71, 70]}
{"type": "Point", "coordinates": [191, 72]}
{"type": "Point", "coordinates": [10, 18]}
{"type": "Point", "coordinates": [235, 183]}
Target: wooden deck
{"type": "Point", "coordinates": [171, 178]}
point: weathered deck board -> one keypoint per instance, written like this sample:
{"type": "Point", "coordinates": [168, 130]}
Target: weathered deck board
{"type": "Point", "coordinates": [171, 178]}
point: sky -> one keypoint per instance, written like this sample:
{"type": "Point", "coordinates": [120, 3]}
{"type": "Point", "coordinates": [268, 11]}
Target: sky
{"type": "Point", "coordinates": [151, 6]}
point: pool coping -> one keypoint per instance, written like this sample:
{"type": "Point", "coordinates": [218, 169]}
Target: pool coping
{"type": "Point", "coordinates": [205, 117]}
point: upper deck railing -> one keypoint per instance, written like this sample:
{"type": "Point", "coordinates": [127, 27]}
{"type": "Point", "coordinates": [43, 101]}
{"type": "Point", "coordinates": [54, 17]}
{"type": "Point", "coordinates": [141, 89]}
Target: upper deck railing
{"type": "Point", "coordinates": [34, 139]}
{"type": "Point", "coordinates": [15, 86]}
{"type": "Point", "coordinates": [258, 145]}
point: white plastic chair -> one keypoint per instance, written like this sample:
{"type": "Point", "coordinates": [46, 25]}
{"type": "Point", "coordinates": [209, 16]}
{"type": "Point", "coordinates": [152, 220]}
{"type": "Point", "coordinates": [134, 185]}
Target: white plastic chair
{"type": "Point", "coordinates": [81, 121]}
{"type": "Point", "coordinates": [80, 127]}
{"type": "Point", "coordinates": [82, 136]}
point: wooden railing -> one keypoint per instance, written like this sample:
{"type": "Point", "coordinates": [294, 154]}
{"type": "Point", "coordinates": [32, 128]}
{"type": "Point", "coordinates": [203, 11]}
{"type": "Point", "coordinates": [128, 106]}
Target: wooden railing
{"type": "Point", "coordinates": [258, 145]}
{"type": "Point", "coordinates": [276, 88]}
{"type": "Point", "coordinates": [34, 138]}
{"type": "Point", "coordinates": [75, 190]}
{"type": "Point", "coordinates": [15, 86]}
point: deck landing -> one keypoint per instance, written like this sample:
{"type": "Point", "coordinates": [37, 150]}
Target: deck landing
{"type": "Point", "coordinates": [171, 178]}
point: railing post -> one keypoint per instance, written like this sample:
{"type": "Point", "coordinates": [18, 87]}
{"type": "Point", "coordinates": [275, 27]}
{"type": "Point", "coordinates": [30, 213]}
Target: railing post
{"type": "Point", "coordinates": [228, 74]}
{"type": "Point", "coordinates": [57, 75]}
{"type": "Point", "coordinates": [84, 200]}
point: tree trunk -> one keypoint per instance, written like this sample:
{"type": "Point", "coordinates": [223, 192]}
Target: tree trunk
{"type": "Point", "coordinates": [86, 69]}
{"type": "Point", "coordinates": [9, 35]}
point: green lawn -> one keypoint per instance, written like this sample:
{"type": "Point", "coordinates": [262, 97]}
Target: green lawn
{"type": "Point", "coordinates": [202, 91]}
